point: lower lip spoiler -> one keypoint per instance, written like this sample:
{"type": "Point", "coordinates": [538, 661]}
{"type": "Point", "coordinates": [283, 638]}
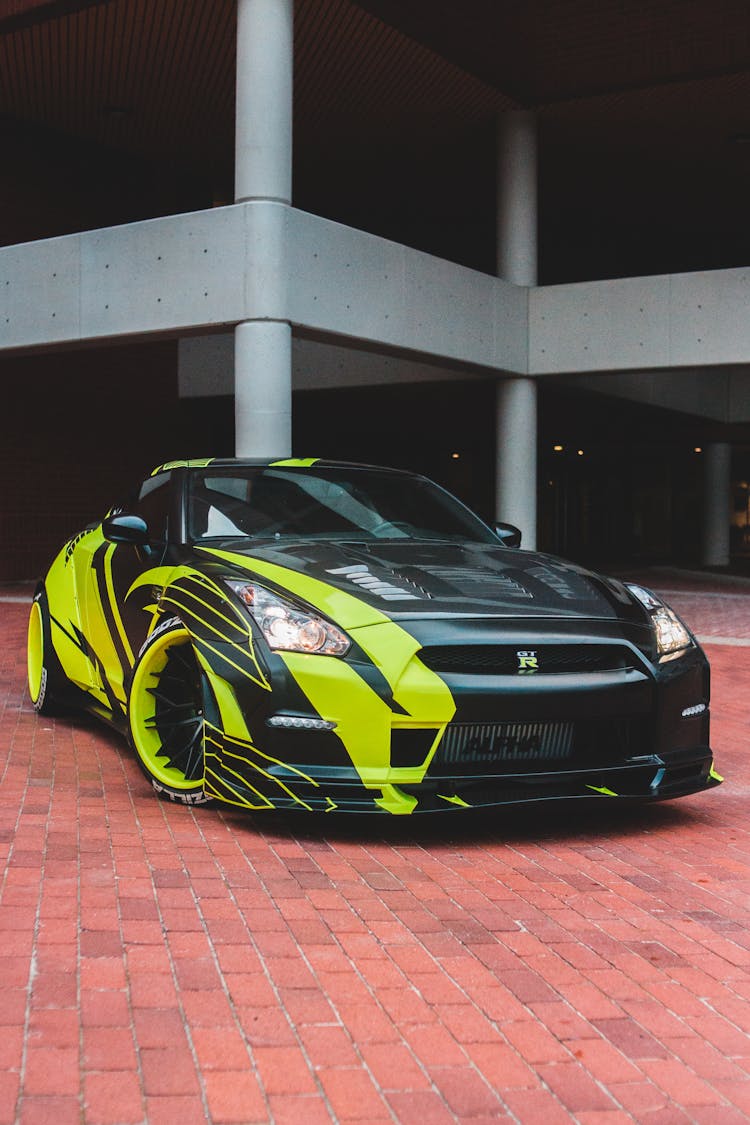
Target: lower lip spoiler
{"type": "Point", "coordinates": [646, 778]}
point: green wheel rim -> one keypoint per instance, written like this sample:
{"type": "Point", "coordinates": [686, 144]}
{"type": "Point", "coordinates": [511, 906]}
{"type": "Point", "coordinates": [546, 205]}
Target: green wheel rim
{"type": "Point", "coordinates": [166, 717]}
{"type": "Point", "coordinates": [35, 652]}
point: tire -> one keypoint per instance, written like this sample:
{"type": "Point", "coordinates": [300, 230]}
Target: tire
{"type": "Point", "coordinates": [45, 677]}
{"type": "Point", "coordinates": [165, 715]}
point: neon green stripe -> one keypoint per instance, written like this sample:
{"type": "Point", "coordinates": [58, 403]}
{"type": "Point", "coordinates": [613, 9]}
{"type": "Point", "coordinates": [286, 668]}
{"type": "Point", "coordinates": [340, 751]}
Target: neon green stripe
{"type": "Point", "coordinates": [337, 691]}
{"type": "Point", "coordinates": [217, 791]}
{"type": "Point", "coordinates": [172, 592]}
{"type": "Point", "coordinates": [114, 605]}
{"type": "Point", "coordinates": [276, 781]}
{"type": "Point", "coordinates": [269, 758]}
{"type": "Point", "coordinates": [196, 463]}
{"type": "Point", "coordinates": [348, 611]}
{"type": "Point", "coordinates": [296, 462]}
{"type": "Point", "coordinates": [454, 801]}
{"type": "Point", "coordinates": [262, 683]}
{"type": "Point", "coordinates": [232, 720]}
{"type": "Point", "coordinates": [168, 577]}
{"type": "Point", "coordinates": [394, 801]}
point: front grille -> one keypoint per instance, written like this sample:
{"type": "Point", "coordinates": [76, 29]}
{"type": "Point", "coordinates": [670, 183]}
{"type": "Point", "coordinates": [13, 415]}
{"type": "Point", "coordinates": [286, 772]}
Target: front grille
{"type": "Point", "coordinates": [475, 743]}
{"type": "Point", "coordinates": [532, 746]}
{"type": "Point", "coordinates": [504, 660]}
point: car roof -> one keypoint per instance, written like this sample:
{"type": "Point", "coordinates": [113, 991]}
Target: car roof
{"type": "Point", "coordinates": [290, 463]}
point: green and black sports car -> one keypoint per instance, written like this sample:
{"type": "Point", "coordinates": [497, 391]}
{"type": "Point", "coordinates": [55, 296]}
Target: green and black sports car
{"type": "Point", "coordinates": [313, 635]}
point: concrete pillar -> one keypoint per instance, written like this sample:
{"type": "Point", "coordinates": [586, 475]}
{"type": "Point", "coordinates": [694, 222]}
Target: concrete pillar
{"type": "Point", "coordinates": [517, 197]}
{"type": "Point", "coordinates": [717, 482]}
{"type": "Point", "coordinates": [263, 389]}
{"type": "Point", "coordinates": [263, 131]}
{"type": "Point", "coordinates": [516, 427]}
{"type": "Point", "coordinates": [263, 175]}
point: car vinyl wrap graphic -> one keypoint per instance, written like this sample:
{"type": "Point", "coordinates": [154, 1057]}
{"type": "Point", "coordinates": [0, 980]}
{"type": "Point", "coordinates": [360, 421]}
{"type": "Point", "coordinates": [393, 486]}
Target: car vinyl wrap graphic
{"type": "Point", "coordinates": [339, 692]}
{"type": "Point", "coordinates": [236, 768]}
{"type": "Point", "coordinates": [419, 665]}
{"type": "Point", "coordinates": [88, 654]}
{"type": "Point", "coordinates": [363, 701]}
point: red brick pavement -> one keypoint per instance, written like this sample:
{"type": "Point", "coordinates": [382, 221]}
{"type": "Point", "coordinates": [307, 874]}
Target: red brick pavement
{"type": "Point", "coordinates": [160, 964]}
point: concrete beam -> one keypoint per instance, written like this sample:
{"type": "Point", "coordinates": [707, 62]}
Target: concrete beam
{"type": "Point", "coordinates": [679, 320]}
{"type": "Point", "coordinates": [357, 285]}
{"type": "Point", "coordinates": [199, 272]}
{"type": "Point", "coordinates": [205, 270]}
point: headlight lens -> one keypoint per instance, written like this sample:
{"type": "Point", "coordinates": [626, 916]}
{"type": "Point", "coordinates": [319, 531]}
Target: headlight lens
{"type": "Point", "coordinates": [288, 628]}
{"type": "Point", "coordinates": [672, 638]}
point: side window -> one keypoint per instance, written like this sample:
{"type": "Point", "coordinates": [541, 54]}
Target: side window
{"type": "Point", "coordinates": [153, 505]}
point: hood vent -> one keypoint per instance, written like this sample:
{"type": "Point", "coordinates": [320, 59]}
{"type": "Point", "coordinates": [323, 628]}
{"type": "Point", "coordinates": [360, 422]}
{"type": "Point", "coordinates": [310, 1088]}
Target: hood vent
{"type": "Point", "coordinates": [478, 582]}
{"type": "Point", "coordinates": [361, 576]}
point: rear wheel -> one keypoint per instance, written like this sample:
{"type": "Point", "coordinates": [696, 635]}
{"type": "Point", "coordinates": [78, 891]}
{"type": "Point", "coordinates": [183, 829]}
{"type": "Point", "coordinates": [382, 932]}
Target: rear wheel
{"type": "Point", "coordinates": [165, 715]}
{"type": "Point", "coordinates": [44, 673]}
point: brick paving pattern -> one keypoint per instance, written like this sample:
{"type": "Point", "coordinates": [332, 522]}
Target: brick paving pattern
{"type": "Point", "coordinates": [167, 965]}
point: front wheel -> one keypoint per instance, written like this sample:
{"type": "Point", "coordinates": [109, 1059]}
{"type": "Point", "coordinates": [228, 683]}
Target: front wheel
{"type": "Point", "coordinates": [165, 715]}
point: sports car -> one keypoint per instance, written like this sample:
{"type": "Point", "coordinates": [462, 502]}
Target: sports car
{"type": "Point", "coordinates": [307, 634]}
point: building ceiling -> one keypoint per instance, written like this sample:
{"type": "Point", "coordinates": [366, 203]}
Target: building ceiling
{"type": "Point", "coordinates": [543, 51]}
{"type": "Point", "coordinates": [644, 110]}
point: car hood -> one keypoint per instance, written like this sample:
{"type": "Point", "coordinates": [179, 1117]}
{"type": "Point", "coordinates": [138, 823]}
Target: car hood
{"type": "Point", "coordinates": [437, 579]}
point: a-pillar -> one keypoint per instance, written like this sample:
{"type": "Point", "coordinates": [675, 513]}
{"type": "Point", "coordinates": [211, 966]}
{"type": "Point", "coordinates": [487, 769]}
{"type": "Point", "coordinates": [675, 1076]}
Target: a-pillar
{"type": "Point", "coordinates": [516, 467]}
{"type": "Point", "coordinates": [717, 512]}
{"type": "Point", "coordinates": [263, 175]}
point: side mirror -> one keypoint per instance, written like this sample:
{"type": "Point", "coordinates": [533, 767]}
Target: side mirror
{"type": "Point", "coordinates": [508, 535]}
{"type": "Point", "coordinates": [123, 527]}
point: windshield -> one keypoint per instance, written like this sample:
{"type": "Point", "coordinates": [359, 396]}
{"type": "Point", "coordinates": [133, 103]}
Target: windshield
{"type": "Point", "coordinates": [325, 503]}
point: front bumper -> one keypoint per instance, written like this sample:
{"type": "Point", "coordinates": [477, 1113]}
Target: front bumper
{"type": "Point", "coordinates": [634, 731]}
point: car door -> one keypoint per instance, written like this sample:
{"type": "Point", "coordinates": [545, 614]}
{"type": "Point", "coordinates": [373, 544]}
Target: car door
{"type": "Point", "coordinates": [115, 620]}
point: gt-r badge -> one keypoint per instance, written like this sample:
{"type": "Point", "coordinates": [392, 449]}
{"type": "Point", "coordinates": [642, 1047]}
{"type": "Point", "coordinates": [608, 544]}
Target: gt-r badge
{"type": "Point", "coordinates": [527, 661]}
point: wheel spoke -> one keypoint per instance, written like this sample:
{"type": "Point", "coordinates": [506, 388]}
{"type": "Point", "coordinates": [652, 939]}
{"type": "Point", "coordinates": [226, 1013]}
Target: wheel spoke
{"type": "Point", "coordinates": [162, 697]}
{"type": "Point", "coordinates": [178, 718]}
{"type": "Point", "coordinates": [185, 754]}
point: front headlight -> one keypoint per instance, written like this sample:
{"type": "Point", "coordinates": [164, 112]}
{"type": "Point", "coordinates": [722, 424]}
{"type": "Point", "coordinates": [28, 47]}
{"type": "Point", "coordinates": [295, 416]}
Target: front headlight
{"type": "Point", "coordinates": [672, 638]}
{"type": "Point", "coordinates": [286, 626]}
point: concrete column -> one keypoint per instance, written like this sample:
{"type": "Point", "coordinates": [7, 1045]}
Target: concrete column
{"type": "Point", "coordinates": [263, 176]}
{"type": "Point", "coordinates": [263, 131]}
{"type": "Point", "coordinates": [515, 489]}
{"type": "Point", "coordinates": [717, 482]}
{"type": "Point", "coordinates": [516, 471]}
{"type": "Point", "coordinates": [517, 197]}
{"type": "Point", "coordinates": [263, 389]}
